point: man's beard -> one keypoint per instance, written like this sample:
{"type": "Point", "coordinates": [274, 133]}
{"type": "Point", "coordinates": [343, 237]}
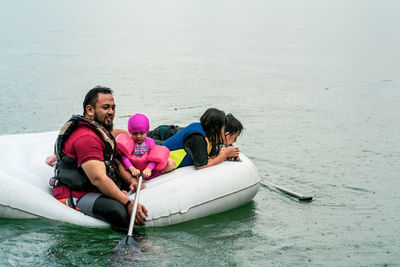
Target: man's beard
{"type": "Point", "coordinates": [108, 127]}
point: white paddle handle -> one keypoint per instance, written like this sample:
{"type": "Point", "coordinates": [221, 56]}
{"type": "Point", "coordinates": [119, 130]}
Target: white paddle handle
{"type": "Point", "coordinates": [135, 204]}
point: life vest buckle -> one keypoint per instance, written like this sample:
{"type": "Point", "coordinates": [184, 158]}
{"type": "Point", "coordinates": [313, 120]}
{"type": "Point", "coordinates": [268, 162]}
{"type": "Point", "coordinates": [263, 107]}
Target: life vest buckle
{"type": "Point", "coordinates": [54, 182]}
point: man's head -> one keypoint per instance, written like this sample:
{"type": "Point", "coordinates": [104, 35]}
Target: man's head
{"type": "Point", "coordinates": [99, 106]}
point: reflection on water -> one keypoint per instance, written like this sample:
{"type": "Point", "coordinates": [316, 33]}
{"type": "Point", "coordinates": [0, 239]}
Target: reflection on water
{"type": "Point", "coordinates": [38, 242]}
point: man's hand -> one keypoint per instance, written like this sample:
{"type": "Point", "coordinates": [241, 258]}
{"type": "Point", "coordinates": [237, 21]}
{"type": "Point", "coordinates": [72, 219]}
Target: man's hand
{"type": "Point", "coordinates": [96, 172]}
{"type": "Point", "coordinates": [133, 185]}
{"type": "Point", "coordinates": [141, 213]}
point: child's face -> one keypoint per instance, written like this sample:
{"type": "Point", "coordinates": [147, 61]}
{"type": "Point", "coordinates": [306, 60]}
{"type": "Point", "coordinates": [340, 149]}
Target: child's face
{"type": "Point", "coordinates": [139, 137]}
{"type": "Point", "coordinates": [230, 138]}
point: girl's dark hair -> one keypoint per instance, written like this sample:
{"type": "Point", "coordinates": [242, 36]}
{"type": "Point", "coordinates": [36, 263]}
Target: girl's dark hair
{"type": "Point", "coordinates": [233, 125]}
{"type": "Point", "coordinates": [212, 122]}
{"type": "Point", "coordinates": [93, 95]}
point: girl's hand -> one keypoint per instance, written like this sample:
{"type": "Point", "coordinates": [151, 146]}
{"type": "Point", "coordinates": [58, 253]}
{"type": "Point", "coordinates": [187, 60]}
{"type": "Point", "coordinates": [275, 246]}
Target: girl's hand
{"type": "Point", "coordinates": [146, 172]}
{"type": "Point", "coordinates": [135, 172]}
{"type": "Point", "coordinates": [231, 152]}
{"type": "Point", "coordinates": [234, 159]}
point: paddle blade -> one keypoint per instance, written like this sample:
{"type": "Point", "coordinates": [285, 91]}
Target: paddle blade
{"type": "Point", "coordinates": [306, 198]}
{"type": "Point", "coordinates": [129, 241]}
{"type": "Point", "coordinates": [126, 253]}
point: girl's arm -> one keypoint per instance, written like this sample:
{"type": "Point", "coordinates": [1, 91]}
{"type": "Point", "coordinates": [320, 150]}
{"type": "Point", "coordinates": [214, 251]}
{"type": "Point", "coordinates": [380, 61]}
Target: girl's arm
{"type": "Point", "coordinates": [125, 176]}
{"type": "Point", "coordinates": [127, 163]}
{"type": "Point", "coordinates": [128, 178]}
{"type": "Point", "coordinates": [150, 165]}
{"type": "Point", "coordinates": [129, 166]}
{"type": "Point", "coordinates": [229, 152]}
{"type": "Point", "coordinates": [196, 146]}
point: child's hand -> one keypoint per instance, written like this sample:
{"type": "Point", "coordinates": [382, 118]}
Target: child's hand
{"type": "Point", "coordinates": [146, 172]}
{"type": "Point", "coordinates": [135, 172]}
{"type": "Point", "coordinates": [231, 152]}
{"type": "Point", "coordinates": [234, 158]}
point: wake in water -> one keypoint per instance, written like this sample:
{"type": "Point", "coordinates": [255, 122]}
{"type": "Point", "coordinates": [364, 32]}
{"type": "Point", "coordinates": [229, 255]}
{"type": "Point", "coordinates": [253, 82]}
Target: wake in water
{"type": "Point", "coordinates": [124, 255]}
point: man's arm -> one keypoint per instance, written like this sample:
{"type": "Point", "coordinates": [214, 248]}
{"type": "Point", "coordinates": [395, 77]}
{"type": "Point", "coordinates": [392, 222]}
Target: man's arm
{"type": "Point", "coordinates": [127, 177]}
{"type": "Point", "coordinates": [96, 172]}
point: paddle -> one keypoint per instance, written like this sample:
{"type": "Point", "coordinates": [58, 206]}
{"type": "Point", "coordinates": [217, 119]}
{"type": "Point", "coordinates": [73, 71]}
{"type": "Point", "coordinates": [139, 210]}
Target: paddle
{"type": "Point", "coordinates": [127, 251]}
{"type": "Point", "coordinates": [129, 240]}
{"type": "Point", "coordinates": [289, 192]}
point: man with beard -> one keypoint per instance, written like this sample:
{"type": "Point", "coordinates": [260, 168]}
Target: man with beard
{"type": "Point", "coordinates": [88, 177]}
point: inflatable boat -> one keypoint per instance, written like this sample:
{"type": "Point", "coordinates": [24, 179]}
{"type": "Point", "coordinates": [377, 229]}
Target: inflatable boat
{"type": "Point", "coordinates": [181, 195]}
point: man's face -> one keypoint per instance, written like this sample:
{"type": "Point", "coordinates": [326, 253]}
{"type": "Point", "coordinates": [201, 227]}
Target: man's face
{"type": "Point", "coordinates": [104, 110]}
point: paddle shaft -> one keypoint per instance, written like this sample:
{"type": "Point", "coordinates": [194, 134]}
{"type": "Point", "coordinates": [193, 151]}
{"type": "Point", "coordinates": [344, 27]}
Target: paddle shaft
{"type": "Point", "coordinates": [133, 215]}
{"type": "Point", "coordinates": [290, 193]}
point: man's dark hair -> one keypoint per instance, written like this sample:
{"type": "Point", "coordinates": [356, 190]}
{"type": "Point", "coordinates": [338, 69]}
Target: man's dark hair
{"type": "Point", "coordinates": [93, 95]}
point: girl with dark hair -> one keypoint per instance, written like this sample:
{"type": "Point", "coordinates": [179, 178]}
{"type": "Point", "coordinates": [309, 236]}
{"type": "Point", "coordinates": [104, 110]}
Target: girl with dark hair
{"type": "Point", "coordinates": [233, 129]}
{"type": "Point", "coordinates": [199, 144]}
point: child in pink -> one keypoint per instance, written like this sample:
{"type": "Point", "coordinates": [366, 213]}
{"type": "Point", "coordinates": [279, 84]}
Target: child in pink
{"type": "Point", "coordinates": [139, 152]}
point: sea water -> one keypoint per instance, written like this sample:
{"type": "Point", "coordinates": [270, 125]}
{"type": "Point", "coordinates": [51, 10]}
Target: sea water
{"type": "Point", "coordinates": [315, 83]}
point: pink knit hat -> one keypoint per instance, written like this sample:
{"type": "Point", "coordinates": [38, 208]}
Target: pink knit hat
{"type": "Point", "coordinates": [138, 123]}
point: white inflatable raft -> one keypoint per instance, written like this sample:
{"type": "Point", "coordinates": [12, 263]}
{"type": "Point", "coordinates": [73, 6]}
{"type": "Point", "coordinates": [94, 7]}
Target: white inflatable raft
{"type": "Point", "coordinates": [182, 195]}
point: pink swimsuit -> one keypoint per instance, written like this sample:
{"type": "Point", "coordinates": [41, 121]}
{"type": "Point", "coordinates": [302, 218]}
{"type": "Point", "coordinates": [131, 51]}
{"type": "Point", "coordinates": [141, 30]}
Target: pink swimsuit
{"type": "Point", "coordinates": [142, 156]}
{"type": "Point", "coordinates": [139, 151]}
